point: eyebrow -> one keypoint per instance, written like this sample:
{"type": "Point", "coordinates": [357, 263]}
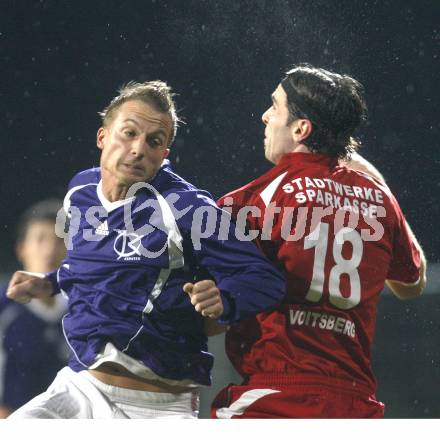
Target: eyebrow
{"type": "Point", "coordinates": [157, 132]}
{"type": "Point", "coordinates": [274, 100]}
{"type": "Point", "coordinates": [132, 120]}
{"type": "Point", "coordinates": [154, 133]}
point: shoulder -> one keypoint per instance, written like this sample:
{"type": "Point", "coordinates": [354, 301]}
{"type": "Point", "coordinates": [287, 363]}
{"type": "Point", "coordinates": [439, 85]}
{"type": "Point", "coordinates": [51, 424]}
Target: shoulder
{"type": "Point", "coordinates": [175, 187]}
{"type": "Point", "coordinates": [90, 176]}
{"type": "Point", "coordinates": [83, 179]}
{"type": "Point", "coordinates": [364, 178]}
{"type": "Point", "coordinates": [358, 163]}
{"type": "Point", "coordinates": [369, 189]}
{"type": "Point", "coordinates": [167, 181]}
{"type": "Point", "coordinates": [258, 190]}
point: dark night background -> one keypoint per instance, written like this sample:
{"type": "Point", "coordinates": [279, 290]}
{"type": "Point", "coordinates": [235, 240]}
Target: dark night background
{"type": "Point", "coordinates": [61, 62]}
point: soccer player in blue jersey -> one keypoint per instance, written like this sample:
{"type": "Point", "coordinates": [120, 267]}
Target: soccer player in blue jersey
{"type": "Point", "coordinates": [32, 345]}
{"type": "Point", "coordinates": [140, 236]}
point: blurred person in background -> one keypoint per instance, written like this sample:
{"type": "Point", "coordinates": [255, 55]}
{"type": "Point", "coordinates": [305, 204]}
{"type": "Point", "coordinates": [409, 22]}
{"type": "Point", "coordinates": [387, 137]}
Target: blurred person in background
{"type": "Point", "coordinates": [32, 345]}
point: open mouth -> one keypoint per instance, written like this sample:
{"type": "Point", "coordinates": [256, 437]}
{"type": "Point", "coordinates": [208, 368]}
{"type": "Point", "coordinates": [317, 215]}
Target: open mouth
{"type": "Point", "coordinates": [133, 168]}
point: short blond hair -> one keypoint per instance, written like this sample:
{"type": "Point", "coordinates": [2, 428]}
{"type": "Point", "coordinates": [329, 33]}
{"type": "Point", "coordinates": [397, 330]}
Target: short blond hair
{"type": "Point", "coordinates": [158, 94]}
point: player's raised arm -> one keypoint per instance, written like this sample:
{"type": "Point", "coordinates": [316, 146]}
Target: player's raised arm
{"type": "Point", "coordinates": [401, 289]}
{"type": "Point", "coordinates": [244, 282]}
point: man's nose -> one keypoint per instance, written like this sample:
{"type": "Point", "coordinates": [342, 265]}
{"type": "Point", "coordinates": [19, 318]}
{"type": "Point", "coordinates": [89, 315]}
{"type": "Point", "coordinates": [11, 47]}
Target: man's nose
{"type": "Point", "coordinates": [138, 147]}
{"type": "Point", "coordinates": [265, 117]}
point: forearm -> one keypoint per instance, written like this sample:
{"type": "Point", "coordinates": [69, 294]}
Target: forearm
{"type": "Point", "coordinates": [248, 282]}
{"type": "Point", "coordinates": [24, 286]}
{"type": "Point", "coordinates": [213, 328]}
{"type": "Point", "coordinates": [256, 289]}
{"type": "Point", "coordinates": [4, 411]}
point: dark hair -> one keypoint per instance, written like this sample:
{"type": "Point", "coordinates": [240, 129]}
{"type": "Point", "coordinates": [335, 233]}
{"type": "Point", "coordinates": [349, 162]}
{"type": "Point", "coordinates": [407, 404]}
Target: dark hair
{"type": "Point", "coordinates": [155, 93]}
{"type": "Point", "coordinates": [333, 103]}
{"type": "Point", "coordinates": [46, 210]}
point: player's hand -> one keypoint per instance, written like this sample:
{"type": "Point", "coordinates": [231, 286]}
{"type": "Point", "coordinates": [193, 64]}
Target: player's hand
{"type": "Point", "coordinates": [27, 285]}
{"type": "Point", "coordinates": [205, 297]}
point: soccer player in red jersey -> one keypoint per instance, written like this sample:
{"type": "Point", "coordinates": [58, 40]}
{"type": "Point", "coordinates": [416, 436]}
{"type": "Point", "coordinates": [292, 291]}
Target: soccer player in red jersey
{"type": "Point", "coordinates": [339, 235]}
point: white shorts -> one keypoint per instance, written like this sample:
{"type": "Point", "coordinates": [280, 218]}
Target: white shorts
{"type": "Point", "coordinates": [81, 396]}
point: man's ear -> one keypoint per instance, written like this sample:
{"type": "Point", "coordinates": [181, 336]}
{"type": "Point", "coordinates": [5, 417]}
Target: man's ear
{"type": "Point", "coordinates": [166, 153]}
{"type": "Point", "coordinates": [100, 135]}
{"type": "Point", "coordinates": [301, 130]}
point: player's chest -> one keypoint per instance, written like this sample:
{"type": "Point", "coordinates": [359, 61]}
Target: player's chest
{"type": "Point", "coordinates": [121, 235]}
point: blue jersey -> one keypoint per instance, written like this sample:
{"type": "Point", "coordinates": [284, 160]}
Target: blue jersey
{"type": "Point", "coordinates": [124, 278]}
{"type": "Point", "coordinates": [32, 348]}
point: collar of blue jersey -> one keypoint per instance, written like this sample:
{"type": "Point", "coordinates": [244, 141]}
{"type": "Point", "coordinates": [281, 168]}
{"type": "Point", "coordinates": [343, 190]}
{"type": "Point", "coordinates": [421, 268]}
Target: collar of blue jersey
{"type": "Point", "coordinates": [165, 164]}
{"type": "Point", "coordinates": [158, 178]}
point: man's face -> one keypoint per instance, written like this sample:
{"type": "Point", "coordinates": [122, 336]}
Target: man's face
{"type": "Point", "coordinates": [134, 144]}
{"type": "Point", "coordinates": [278, 138]}
{"type": "Point", "coordinates": [41, 250]}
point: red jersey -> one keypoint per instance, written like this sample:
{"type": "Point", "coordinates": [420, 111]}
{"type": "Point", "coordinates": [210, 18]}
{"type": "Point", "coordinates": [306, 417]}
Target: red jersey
{"type": "Point", "coordinates": [337, 234]}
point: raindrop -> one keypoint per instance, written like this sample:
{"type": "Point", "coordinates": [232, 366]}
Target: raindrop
{"type": "Point", "coordinates": [410, 89]}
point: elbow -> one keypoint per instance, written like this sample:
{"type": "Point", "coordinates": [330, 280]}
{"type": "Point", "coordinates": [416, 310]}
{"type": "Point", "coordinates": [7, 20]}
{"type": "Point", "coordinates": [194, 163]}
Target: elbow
{"type": "Point", "coordinates": [409, 294]}
{"type": "Point", "coordinates": [418, 290]}
{"type": "Point", "coordinates": [408, 291]}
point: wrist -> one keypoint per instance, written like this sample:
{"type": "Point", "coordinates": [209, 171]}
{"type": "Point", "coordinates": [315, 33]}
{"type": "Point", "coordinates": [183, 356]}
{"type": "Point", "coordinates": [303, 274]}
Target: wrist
{"type": "Point", "coordinates": [52, 279]}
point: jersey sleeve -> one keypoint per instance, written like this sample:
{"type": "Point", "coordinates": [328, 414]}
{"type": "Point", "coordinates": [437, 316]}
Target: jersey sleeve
{"type": "Point", "coordinates": [83, 178]}
{"type": "Point", "coordinates": [406, 260]}
{"type": "Point", "coordinates": [80, 179]}
{"type": "Point", "coordinates": [53, 279]}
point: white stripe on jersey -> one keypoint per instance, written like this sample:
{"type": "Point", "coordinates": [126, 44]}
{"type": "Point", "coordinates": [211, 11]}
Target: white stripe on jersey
{"type": "Point", "coordinates": [66, 202]}
{"type": "Point", "coordinates": [270, 189]}
{"type": "Point", "coordinates": [243, 403]}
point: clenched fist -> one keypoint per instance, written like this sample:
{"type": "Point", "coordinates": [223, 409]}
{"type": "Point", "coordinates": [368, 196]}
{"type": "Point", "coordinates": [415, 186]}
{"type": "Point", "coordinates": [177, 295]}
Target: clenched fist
{"type": "Point", "coordinates": [205, 297]}
{"type": "Point", "coordinates": [27, 285]}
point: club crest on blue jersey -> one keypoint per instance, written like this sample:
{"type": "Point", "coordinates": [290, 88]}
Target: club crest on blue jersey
{"type": "Point", "coordinates": [127, 245]}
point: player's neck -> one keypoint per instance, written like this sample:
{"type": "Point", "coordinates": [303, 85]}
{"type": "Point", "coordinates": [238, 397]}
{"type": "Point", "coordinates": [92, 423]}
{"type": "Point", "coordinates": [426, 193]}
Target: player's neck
{"type": "Point", "coordinates": [113, 191]}
{"type": "Point", "coordinates": [301, 148]}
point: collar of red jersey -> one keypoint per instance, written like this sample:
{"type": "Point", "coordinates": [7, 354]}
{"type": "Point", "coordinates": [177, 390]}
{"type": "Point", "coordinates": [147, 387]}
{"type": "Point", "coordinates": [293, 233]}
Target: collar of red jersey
{"type": "Point", "coordinates": [307, 158]}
